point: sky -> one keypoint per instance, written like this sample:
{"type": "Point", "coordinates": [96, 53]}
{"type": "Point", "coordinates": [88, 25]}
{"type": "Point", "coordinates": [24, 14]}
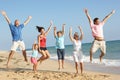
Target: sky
{"type": "Point", "coordinates": [70, 12]}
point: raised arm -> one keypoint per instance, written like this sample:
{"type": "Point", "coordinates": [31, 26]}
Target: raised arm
{"type": "Point", "coordinates": [39, 43]}
{"type": "Point", "coordinates": [108, 16]}
{"type": "Point", "coordinates": [88, 16]}
{"type": "Point", "coordinates": [5, 16]}
{"type": "Point", "coordinates": [70, 34]}
{"type": "Point", "coordinates": [55, 33]}
{"type": "Point", "coordinates": [63, 29]}
{"type": "Point", "coordinates": [28, 19]}
{"type": "Point", "coordinates": [51, 23]}
{"type": "Point", "coordinates": [33, 45]}
{"type": "Point", "coordinates": [81, 37]}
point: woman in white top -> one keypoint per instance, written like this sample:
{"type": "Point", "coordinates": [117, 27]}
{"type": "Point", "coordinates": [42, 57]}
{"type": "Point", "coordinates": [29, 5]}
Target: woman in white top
{"type": "Point", "coordinates": [77, 53]}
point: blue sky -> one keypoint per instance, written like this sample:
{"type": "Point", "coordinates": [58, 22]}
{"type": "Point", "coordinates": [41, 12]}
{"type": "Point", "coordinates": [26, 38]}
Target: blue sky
{"type": "Point", "coordinates": [60, 11]}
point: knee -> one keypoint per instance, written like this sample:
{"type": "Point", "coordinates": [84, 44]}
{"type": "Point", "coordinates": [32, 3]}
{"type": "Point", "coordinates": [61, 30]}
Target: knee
{"type": "Point", "coordinates": [102, 54]}
{"type": "Point", "coordinates": [12, 52]}
{"type": "Point", "coordinates": [44, 56]}
{"type": "Point", "coordinates": [48, 56]}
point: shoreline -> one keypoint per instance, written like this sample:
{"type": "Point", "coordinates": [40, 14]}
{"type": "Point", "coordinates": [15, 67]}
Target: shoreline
{"type": "Point", "coordinates": [48, 70]}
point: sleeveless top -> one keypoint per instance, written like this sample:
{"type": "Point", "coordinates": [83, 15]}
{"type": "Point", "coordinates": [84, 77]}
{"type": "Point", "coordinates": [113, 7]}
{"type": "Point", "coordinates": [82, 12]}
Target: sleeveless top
{"type": "Point", "coordinates": [34, 53]}
{"type": "Point", "coordinates": [43, 42]}
{"type": "Point", "coordinates": [77, 45]}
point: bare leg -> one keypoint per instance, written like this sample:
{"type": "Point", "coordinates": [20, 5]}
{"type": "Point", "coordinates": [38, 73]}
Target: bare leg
{"type": "Point", "coordinates": [10, 56]}
{"type": "Point", "coordinates": [35, 68]}
{"type": "Point", "coordinates": [59, 62]}
{"type": "Point", "coordinates": [81, 67]}
{"type": "Point", "coordinates": [45, 55]}
{"type": "Point", "coordinates": [91, 54]}
{"type": "Point", "coordinates": [63, 64]}
{"type": "Point", "coordinates": [76, 66]}
{"type": "Point", "coordinates": [101, 56]}
{"type": "Point", "coordinates": [42, 57]}
{"type": "Point", "coordinates": [25, 55]}
{"type": "Point", "coordinates": [48, 54]}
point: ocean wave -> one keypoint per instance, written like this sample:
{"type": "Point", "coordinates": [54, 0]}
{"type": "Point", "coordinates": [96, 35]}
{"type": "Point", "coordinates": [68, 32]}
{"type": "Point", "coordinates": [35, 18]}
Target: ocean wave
{"type": "Point", "coordinates": [106, 62]}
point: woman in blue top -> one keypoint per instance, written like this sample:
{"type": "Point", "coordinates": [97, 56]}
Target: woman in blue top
{"type": "Point", "coordinates": [59, 36]}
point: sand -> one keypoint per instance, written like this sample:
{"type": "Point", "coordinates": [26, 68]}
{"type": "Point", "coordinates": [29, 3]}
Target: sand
{"type": "Point", "coordinates": [48, 70]}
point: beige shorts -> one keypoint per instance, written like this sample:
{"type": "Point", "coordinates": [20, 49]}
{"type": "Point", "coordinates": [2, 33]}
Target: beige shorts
{"type": "Point", "coordinates": [18, 44]}
{"type": "Point", "coordinates": [98, 45]}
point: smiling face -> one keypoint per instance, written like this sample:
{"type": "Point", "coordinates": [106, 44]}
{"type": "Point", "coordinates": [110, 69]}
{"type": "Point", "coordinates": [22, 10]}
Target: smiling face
{"type": "Point", "coordinates": [16, 23]}
{"type": "Point", "coordinates": [42, 31]}
{"type": "Point", "coordinates": [59, 33]}
{"type": "Point", "coordinates": [96, 21]}
{"type": "Point", "coordinates": [76, 36]}
{"type": "Point", "coordinates": [36, 46]}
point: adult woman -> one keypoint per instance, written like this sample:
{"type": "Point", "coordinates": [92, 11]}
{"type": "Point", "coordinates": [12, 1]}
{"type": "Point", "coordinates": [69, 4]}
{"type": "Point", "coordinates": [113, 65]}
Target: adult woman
{"type": "Point", "coordinates": [42, 42]}
{"type": "Point", "coordinates": [77, 53]}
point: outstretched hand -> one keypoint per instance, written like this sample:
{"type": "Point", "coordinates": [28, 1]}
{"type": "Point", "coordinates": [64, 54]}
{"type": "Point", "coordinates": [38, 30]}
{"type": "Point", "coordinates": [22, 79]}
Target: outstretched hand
{"type": "Point", "coordinates": [113, 11]}
{"type": "Point", "coordinates": [3, 13]}
{"type": "Point", "coordinates": [55, 28]}
{"type": "Point", "coordinates": [30, 17]}
{"type": "Point", "coordinates": [35, 42]}
{"type": "Point", "coordinates": [80, 27]}
{"type": "Point", "coordinates": [86, 10]}
{"type": "Point", "coordinates": [51, 22]}
{"type": "Point", "coordinates": [70, 29]}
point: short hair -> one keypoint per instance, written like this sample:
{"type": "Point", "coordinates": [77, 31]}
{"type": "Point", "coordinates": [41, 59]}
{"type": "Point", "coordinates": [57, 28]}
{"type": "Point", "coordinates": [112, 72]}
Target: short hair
{"type": "Point", "coordinates": [76, 35]}
{"type": "Point", "coordinates": [95, 19]}
{"type": "Point", "coordinates": [59, 32]}
{"type": "Point", "coordinates": [39, 28]}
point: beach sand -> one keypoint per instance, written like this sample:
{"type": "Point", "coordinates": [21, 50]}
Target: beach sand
{"type": "Point", "coordinates": [48, 70]}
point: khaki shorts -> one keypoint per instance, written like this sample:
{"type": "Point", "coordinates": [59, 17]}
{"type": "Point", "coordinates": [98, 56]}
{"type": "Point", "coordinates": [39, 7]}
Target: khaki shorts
{"type": "Point", "coordinates": [18, 44]}
{"type": "Point", "coordinates": [98, 45]}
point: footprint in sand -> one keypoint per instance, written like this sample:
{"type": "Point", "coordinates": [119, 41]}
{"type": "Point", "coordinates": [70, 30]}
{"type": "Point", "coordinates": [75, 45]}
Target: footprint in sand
{"type": "Point", "coordinates": [104, 75]}
{"type": "Point", "coordinates": [1, 60]}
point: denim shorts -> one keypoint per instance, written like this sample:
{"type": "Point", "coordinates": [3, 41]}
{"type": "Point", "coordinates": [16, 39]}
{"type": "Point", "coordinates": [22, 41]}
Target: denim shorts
{"type": "Point", "coordinates": [60, 54]}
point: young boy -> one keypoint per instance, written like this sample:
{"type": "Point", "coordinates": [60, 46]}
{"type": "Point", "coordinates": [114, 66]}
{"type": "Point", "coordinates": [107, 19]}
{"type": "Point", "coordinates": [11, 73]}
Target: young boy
{"type": "Point", "coordinates": [59, 36]}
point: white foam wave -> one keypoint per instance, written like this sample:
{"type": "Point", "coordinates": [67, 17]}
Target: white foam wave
{"type": "Point", "coordinates": [106, 62]}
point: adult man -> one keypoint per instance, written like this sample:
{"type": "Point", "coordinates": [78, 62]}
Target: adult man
{"type": "Point", "coordinates": [97, 32]}
{"type": "Point", "coordinates": [16, 31]}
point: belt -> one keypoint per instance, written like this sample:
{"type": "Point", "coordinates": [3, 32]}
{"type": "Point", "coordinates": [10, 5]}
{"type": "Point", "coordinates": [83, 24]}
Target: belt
{"type": "Point", "coordinates": [99, 39]}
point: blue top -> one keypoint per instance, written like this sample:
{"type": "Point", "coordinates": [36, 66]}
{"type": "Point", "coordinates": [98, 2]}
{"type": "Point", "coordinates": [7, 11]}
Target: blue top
{"type": "Point", "coordinates": [35, 53]}
{"type": "Point", "coordinates": [16, 31]}
{"type": "Point", "coordinates": [60, 42]}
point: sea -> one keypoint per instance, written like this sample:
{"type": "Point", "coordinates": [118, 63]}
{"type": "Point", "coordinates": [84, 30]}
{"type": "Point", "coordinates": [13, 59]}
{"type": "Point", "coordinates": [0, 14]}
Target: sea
{"type": "Point", "coordinates": [111, 59]}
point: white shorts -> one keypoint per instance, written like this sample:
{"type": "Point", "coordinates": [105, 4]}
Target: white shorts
{"type": "Point", "coordinates": [78, 56]}
{"type": "Point", "coordinates": [98, 44]}
{"type": "Point", "coordinates": [18, 44]}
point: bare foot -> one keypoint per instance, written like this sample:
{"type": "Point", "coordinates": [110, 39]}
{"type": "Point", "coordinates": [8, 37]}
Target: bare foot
{"type": "Point", "coordinates": [100, 59]}
{"type": "Point", "coordinates": [62, 67]}
{"type": "Point", "coordinates": [76, 74]}
{"type": "Point", "coordinates": [58, 68]}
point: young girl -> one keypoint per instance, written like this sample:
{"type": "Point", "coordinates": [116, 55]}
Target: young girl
{"type": "Point", "coordinates": [34, 56]}
{"type": "Point", "coordinates": [42, 42]}
{"type": "Point", "coordinates": [59, 36]}
{"type": "Point", "coordinates": [77, 53]}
